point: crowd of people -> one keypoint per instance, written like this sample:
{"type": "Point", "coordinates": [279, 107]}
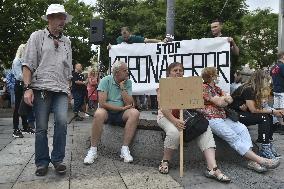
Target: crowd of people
{"type": "Point", "coordinates": [44, 78]}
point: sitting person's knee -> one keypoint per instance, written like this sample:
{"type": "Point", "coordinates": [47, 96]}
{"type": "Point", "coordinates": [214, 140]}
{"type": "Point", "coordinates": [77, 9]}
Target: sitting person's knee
{"type": "Point", "coordinates": [134, 113]}
{"type": "Point", "coordinates": [100, 113]}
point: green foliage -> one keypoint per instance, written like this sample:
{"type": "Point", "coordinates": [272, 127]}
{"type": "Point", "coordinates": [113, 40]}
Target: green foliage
{"type": "Point", "coordinates": [148, 18]}
{"type": "Point", "coordinates": [259, 38]}
{"type": "Point", "coordinates": [19, 18]}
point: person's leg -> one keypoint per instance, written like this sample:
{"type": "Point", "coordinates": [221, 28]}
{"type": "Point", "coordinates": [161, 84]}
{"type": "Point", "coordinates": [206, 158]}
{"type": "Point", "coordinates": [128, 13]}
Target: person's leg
{"type": "Point", "coordinates": [265, 131]}
{"type": "Point", "coordinates": [16, 107]}
{"type": "Point", "coordinates": [77, 103]}
{"type": "Point", "coordinates": [207, 145]}
{"type": "Point", "coordinates": [42, 107]}
{"type": "Point", "coordinates": [224, 130]}
{"type": "Point", "coordinates": [171, 143]}
{"type": "Point", "coordinates": [100, 116]}
{"type": "Point", "coordinates": [60, 107]}
{"type": "Point", "coordinates": [17, 95]}
{"type": "Point", "coordinates": [264, 122]}
{"type": "Point", "coordinates": [131, 117]}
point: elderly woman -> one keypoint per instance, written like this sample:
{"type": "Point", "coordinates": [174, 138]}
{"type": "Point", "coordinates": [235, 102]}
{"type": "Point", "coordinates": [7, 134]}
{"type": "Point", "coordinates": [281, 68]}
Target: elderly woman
{"type": "Point", "coordinates": [234, 133]}
{"type": "Point", "coordinates": [169, 122]}
{"type": "Point", "coordinates": [247, 102]}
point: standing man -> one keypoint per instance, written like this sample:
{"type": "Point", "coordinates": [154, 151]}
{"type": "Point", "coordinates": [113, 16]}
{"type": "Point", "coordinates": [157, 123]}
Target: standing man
{"type": "Point", "coordinates": [116, 108]}
{"type": "Point", "coordinates": [47, 71]}
{"type": "Point", "coordinates": [79, 91]}
{"type": "Point", "coordinates": [216, 28]}
{"type": "Point", "coordinates": [277, 74]}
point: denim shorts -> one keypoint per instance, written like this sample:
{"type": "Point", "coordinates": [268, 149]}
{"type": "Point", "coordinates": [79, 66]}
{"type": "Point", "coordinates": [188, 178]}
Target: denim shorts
{"type": "Point", "coordinates": [278, 100]}
{"type": "Point", "coordinates": [115, 118]}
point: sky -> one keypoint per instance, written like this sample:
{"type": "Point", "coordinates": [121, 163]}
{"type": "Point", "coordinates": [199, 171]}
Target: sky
{"type": "Point", "coordinates": [253, 4]}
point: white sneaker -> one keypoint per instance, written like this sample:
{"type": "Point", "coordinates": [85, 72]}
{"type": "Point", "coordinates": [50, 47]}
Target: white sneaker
{"type": "Point", "coordinates": [87, 115]}
{"type": "Point", "coordinates": [91, 156]}
{"type": "Point", "coordinates": [125, 154]}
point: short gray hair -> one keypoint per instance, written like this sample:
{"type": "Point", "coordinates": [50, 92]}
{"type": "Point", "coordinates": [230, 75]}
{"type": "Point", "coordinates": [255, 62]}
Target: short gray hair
{"type": "Point", "coordinates": [116, 65]}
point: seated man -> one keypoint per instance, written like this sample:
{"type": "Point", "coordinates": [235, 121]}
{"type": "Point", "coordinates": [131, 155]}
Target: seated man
{"type": "Point", "coordinates": [116, 108]}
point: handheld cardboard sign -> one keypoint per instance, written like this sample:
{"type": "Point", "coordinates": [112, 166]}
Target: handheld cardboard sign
{"type": "Point", "coordinates": [181, 93]}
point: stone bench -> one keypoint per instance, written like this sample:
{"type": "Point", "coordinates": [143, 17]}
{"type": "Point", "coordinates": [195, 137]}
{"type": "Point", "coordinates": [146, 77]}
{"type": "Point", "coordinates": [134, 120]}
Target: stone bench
{"type": "Point", "coordinates": [148, 142]}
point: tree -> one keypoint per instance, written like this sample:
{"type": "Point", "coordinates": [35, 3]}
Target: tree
{"type": "Point", "coordinates": [19, 18]}
{"type": "Point", "coordinates": [148, 18]}
{"type": "Point", "coordinates": [259, 38]}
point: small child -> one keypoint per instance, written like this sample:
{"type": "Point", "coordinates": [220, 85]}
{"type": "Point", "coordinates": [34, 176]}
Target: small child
{"type": "Point", "coordinates": [92, 102]}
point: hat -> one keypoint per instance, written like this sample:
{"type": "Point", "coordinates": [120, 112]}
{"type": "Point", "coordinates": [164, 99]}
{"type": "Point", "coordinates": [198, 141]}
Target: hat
{"type": "Point", "coordinates": [57, 8]}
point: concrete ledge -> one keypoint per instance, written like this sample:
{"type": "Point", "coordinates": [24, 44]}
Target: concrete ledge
{"type": "Point", "coordinates": [148, 143]}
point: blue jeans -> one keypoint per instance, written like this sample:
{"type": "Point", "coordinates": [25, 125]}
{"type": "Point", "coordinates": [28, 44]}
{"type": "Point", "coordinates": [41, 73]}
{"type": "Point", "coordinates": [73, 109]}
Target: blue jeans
{"type": "Point", "coordinates": [43, 102]}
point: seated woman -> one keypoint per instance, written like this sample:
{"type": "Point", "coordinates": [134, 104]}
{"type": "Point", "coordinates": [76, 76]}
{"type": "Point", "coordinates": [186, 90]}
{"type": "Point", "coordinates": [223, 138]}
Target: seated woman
{"type": "Point", "coordinates": [171, 125]}
{"type": "Point", "coordinates": [235, 133]}
{"type": "Point", "coordinates": [247, 102]}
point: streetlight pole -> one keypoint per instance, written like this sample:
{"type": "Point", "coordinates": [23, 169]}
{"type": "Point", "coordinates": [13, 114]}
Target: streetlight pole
{"type": "Point", "coordinates": [281, 26]}
{"type": "Point", "coordinates": [170, 20]}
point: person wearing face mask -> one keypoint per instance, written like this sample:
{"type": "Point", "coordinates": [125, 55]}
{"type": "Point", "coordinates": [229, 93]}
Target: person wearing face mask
{"type": "Point", "coordinates": [47, 73]}
{"type": "Point", "coordinates": [234, 133]}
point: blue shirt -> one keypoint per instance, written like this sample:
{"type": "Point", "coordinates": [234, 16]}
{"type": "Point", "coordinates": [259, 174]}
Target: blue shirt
{"type": "Point", "coordinates": [131, 39]}
{"type": "Point", "coordinates": [277, 74]}
{"type": "Point", "coordinates": [17, 69]}
{"type": "Point", "coordinates": [108, 84]}
{"type": "Point", "coordinates": [10, 80]}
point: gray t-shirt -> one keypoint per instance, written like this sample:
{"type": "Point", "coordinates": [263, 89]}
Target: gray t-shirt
{"type": "Point", "coordinates": [51, 67]}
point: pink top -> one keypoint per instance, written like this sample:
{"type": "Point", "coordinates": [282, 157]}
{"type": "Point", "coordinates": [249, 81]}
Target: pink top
{"type": "Point", "coordinates": [92, 87]}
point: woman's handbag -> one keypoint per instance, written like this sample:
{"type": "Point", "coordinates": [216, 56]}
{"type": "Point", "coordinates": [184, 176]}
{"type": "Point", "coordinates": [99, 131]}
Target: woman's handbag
{"type": "Point", "coordinates": [232, 114]}
{"type": "Point", "coordinates": [195, 124]}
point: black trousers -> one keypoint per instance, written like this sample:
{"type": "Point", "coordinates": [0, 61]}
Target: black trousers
{"type": "Point", "coordinates": [264, 121]}
{"type": "Point", "coordinates": [19, 92]}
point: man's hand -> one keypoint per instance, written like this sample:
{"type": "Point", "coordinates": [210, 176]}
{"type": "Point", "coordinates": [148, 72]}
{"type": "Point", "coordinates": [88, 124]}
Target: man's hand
{"type": "Point", "coordinates": [126, 107]}
{"type": "Point", "coordinates": [121, 85]}
{"type": "Point", "coordinates": [109, 46]}
{"type": "Point", "coordinates": [231, 40]}
{"type": "Point", "coordinates": [29, 97]}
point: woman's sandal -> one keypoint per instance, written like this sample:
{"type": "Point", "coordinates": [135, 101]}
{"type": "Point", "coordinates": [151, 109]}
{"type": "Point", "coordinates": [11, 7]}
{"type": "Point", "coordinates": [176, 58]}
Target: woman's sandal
{"type": "Point", "coordinates": [212, 174]}
{"type": "Point", "coordinates": [164, 167]}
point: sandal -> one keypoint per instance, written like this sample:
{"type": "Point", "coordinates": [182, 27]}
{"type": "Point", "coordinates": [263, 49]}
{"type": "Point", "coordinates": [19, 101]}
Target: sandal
{"type": "Point", "coordinates": [164, 167]}
{"type": "Point", "coordinates": [220, 177]}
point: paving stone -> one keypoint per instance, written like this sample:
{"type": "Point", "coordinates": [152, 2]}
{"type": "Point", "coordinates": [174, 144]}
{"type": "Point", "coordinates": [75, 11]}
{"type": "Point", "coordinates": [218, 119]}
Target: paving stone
{"type": "Point", "coordinates": [42, 184]}
{"type": "Point", "coordinates": [6, 185]}
{"type": "Point", "coordinates": [106, 182]}
{"type": "Point", "coordinates": [14, 159]}
{"type": "Point", "coordinates": [10, 173]}
{"type": "Point", "coordinates": [136, 176]}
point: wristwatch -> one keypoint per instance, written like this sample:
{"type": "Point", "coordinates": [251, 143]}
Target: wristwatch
{"type": "Point", "coordinates": [27, 87]}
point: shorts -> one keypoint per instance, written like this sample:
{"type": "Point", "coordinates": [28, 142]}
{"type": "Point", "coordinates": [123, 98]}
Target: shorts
{"type": "Point", "coordinates": [278, 101]}
{"type": "Point", "coordinates": [115, 118]}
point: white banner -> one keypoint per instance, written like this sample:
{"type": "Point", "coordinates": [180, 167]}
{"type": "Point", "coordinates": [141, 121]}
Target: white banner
{"type": "Point", "coordinates": [147, 63]}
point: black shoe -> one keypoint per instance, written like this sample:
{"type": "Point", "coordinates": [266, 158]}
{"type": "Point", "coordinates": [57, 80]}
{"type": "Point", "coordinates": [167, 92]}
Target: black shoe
{"type": "Point", "coordinates": [17, 134]}
{"type": "Point", "coordinates": [41, 171]}
{"type": "Point", "coordinates": [60, 168]}
{"type": "Point", "coordinates": [28, 130]}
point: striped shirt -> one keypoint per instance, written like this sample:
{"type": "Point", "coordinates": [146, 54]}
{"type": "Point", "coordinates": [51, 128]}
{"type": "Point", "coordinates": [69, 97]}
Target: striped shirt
{"type": "Point", "coordinates": [51, 67]}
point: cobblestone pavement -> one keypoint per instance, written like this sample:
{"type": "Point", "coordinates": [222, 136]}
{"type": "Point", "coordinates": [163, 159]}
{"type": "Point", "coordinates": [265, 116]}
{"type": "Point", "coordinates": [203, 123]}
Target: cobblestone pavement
{"type": "Point", "coordinates": [17, 166]}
